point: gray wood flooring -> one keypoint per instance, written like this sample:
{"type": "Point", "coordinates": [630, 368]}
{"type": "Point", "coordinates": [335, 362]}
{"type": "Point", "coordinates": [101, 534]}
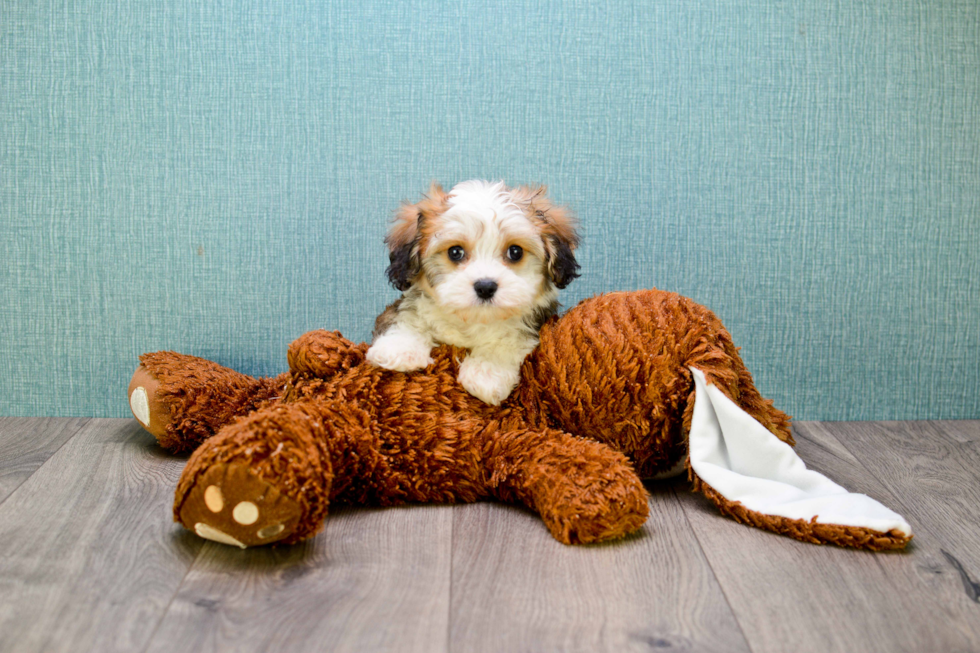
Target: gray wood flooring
{"type": "Point", "coordinates": [90, 560]}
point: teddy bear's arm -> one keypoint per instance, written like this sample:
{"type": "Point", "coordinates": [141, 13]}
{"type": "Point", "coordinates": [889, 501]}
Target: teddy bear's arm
{"type": "Point", "coordinates": [583, 490]}
{"type": "Point", "coordinates": [183, 400]}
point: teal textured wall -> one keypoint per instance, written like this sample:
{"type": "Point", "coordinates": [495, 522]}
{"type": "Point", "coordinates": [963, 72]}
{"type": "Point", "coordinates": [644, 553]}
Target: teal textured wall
{"type": "Point", "coordinates": [215, 177]}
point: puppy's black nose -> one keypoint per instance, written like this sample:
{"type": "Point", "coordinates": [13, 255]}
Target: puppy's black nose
{"type": "Point", "coordinates": [485, 288]}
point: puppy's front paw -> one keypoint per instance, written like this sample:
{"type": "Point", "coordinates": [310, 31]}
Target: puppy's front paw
{"type": "Point", "coordinates": [399, 353]}
{"type": "Point", "coordinates": [489, 382]}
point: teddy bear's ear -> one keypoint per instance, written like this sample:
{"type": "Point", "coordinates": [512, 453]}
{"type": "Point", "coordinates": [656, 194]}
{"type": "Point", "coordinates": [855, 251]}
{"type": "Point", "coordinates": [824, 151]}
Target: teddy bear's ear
{"type": "Point", "coordinates": [322, 354]}
{"type": "Point", "coordinates": [559, 232]}
{"type": "Point", "coordinates": [405, 239]}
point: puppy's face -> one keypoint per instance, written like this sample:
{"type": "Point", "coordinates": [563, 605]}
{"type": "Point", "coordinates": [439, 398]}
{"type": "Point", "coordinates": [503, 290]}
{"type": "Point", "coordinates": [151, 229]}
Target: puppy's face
{"type": "Point", "coordinates": [484, 251]}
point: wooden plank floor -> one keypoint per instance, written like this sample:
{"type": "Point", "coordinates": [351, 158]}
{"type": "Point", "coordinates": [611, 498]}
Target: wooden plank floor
{"type": "Point", "coordinates": [90, 560]}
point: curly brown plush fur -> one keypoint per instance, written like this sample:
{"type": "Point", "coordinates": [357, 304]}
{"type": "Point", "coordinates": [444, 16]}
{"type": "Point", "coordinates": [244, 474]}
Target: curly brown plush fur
{"type": "Point", "coordinates": [272, 454]}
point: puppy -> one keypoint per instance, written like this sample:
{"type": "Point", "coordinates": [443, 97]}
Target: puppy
{"type": "Point", "coordinates": [480, 268]}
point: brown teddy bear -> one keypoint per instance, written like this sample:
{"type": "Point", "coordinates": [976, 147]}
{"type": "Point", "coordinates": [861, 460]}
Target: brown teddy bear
{"type": "Point", "coordinates": [607, 397]}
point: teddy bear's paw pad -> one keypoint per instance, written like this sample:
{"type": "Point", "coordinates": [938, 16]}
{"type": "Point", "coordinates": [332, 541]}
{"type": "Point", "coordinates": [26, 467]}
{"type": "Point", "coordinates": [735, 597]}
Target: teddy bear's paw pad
{"type": "Point", "coordinates": [213, 534]}
{"type": "Point", "coordinates": [231, 505]}
{"type": "Point", "coordinates": [145, 404]}
{"type": "Point", "coordinates": [140, 406]}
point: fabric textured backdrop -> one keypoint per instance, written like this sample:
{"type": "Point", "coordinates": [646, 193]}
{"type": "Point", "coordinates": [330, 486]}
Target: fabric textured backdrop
{"type": "Point", "coordinates": [216, 177]}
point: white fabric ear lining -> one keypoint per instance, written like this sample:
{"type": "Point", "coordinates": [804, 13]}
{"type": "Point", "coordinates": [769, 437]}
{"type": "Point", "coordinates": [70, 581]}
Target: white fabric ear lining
{"type": "Point", "coordinates": [741, 460]}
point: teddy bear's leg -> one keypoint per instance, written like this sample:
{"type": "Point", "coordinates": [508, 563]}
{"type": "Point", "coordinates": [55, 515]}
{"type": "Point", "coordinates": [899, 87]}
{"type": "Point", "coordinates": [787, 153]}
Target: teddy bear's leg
{"type": "Point", "coordinates": [269, 477]}
{"type": "Point", "coordinates": [583, 490]}
{"type": "Point", "coordinates": [183, 400]}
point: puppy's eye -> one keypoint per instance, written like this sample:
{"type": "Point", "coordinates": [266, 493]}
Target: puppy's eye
{"type": "Point", "coordinates": [514, 253]}
{"type": "Point", "coordinates": [456, 253]}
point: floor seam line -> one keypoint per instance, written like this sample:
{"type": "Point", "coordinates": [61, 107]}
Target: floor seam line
{"type": "Point", "coordinates": [173, 597]}
{"type": "Point", "coordinates": [452, 573]}
{"type": "Point", "coordinates": [86, 421]}
{"type": "Point", "coordinates": [724, 594]}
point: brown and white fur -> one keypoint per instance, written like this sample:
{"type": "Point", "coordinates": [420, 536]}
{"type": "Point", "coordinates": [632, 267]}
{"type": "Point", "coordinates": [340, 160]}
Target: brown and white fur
{"type": "Point", "coordinates": [479, 268]}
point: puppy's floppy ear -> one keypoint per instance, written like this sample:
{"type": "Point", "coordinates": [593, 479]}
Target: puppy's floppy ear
{"type": "Point", "coordinates": [403, 252]}
{"type": "Point", "coordinates": [559, 232]}
{"type": "Point", "coordinates": [404, 239]}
